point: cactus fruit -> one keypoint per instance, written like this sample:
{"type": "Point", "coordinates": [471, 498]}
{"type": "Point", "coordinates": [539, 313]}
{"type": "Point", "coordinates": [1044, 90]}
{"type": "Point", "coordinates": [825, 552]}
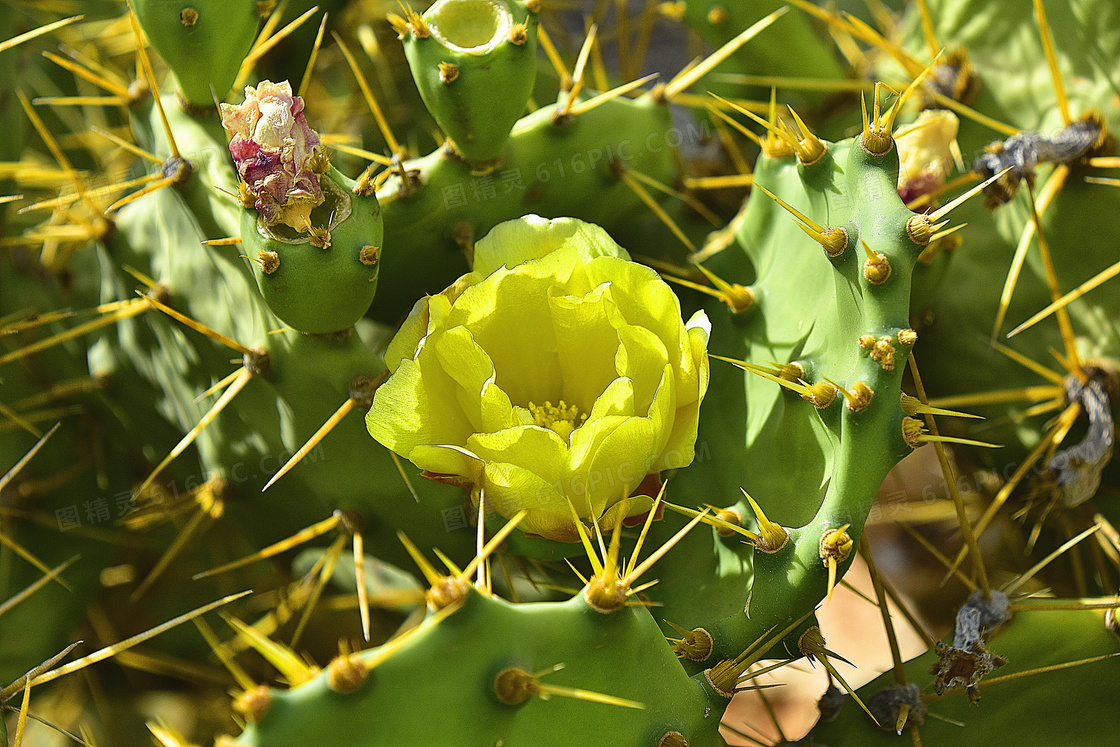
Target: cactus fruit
{"type": "Point", "coordinates": [636, 516]}
{"type": "Point", "coordinates": [474, 64]}
{"type": "Point", "coordinates": [326, 281]}
{"type": "Point", "coordinates": [316, 242]}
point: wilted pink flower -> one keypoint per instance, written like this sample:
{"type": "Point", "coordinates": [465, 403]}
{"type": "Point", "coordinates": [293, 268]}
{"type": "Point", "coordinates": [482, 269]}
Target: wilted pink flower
{"type": "Point", "coordinates": [273, 146]}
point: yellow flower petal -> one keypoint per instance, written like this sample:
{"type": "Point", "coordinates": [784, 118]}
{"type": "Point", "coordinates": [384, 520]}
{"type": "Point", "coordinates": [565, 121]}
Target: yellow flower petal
{"type": "Point", "coordinates": [528, 446]}
{"type": "Point", "coordinates": [508, 316]}
{"type": "Point", "coordinates": [416, 395]}
{"type": "Point", "coordinates": [640, 353]}
{"type": "Point", "coordinates": [510, 488]}
{"type": "Point", "coordinates": [448, 460]}
{"type": "Point", "coordinates": [517, 241]}
{"type": "Point", "coordinates": [586, 343]}
{"type": "Point", "coordinates": [485, 405]}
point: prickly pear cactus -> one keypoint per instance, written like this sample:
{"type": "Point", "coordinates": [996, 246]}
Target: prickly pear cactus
{"type": "Point", "coordinates": [442, 389]}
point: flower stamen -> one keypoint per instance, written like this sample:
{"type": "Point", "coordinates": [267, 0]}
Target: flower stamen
{"type": "Point", "coordinates": [561, 418]}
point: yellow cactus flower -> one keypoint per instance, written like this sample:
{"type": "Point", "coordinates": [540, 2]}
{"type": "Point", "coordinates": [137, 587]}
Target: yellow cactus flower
{"type": "Point", "coordinates": [556, 376]}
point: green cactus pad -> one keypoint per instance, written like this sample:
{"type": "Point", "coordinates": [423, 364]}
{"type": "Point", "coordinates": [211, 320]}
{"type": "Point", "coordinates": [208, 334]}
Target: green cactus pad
{"type": "Point", "coordinates": [838, 457]}
{"type": "Point", "coordinates": [204, 41]}
{"type": "Point", "coordinates": [400, 704]}
{"type": "Point", "coordinates": [961, 358]}
{"type": "Point", "coordinates": [553, 169]}
{"type": "Point", "coordinates": [789, 50]}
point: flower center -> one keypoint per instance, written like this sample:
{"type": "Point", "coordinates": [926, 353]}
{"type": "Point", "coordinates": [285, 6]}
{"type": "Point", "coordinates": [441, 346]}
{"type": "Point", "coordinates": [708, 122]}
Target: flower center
{"type": "Point", "coordinates": [561, 418]}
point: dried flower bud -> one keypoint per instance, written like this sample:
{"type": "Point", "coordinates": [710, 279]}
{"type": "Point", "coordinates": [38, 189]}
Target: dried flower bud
{"type": "Point", "coordinates": [273, 148]}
